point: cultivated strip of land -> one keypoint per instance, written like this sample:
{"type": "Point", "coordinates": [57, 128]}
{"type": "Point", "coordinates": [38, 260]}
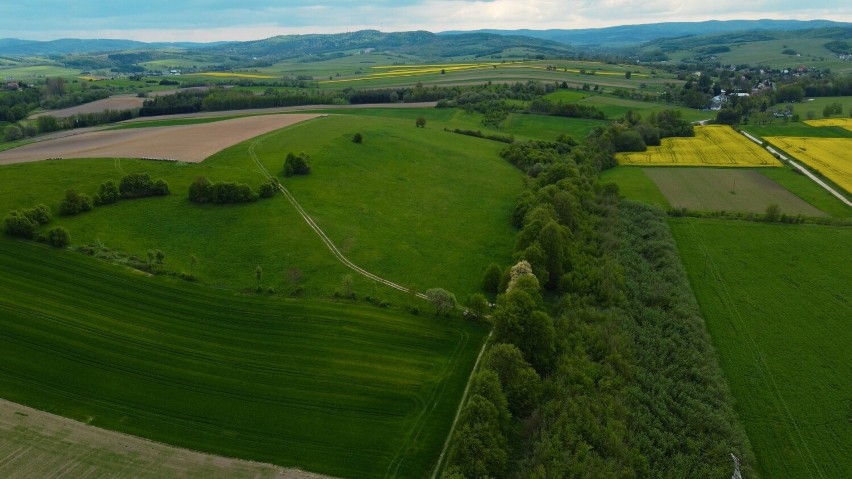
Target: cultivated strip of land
{"type": "Point", "coordinates": [34, 443]}
{"type": "Point", "coordinates": [188, 143]}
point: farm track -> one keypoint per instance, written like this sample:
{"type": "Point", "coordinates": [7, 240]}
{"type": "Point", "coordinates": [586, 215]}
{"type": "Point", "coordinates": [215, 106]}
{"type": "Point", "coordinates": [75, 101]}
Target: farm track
{"type": "Point", "coordinates": [325, 239]}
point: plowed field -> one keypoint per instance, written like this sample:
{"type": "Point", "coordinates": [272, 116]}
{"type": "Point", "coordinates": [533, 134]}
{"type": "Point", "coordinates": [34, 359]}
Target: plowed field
{"type": "Point", "coordinates": [189, 143]}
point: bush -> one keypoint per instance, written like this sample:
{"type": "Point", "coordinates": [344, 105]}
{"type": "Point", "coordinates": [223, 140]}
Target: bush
{"type": "Point", "coordinates": [140, 185]}
{"type": "Point", "coordinates": [357, 138]}
{"type": "Point", "coordinates": [107, 193]}
{"type": "Point", "coordinates": [203, 191]}
{"type": "Point", "coordinates": [18, 224]}
{"type": "Point", "coordinates": [58, 237]}
{"type": "Point", "coordinates": [39, 214]}
{"type": "Point", "coordinates": [297, 164]}
{"type": "Point", "coordinates": [268, 188]}
{"type": "Point", "coordinates": [74, 203]}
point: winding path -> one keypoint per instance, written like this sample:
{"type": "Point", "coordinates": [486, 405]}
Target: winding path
{"type": "Point", "coordinates": [325, 239]}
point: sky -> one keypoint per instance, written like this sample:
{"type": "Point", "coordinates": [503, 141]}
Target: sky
{"type": "Point", "coordinates": [219, 20]}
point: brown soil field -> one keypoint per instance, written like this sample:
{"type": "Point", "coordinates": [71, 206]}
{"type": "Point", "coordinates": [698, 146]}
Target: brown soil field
{"type": "Point", "coordinates": [189, 143]}
{"type": "Point", "coordinates": [118, 102]}
{"type": "Point", "coordinates": [38, 444]}
{"type": "Point", "coordinates": [725, 189]}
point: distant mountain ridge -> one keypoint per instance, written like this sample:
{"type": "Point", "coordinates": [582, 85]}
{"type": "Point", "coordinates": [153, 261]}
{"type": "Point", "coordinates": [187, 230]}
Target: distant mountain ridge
{"type": "Point", "coordinates": [66, 46]}
{"type": "Point", "coordinates": [444, 44]}
{"type": "Point", "coordinates": [635, 34]}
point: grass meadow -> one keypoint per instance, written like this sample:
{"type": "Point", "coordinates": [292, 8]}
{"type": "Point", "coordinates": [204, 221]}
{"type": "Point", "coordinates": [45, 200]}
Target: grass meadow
{"type": "Point", "coordinates": [341, 389]}
{"type": "Point", "coordinates": [775, 298]}
{"type": "Point", "coordinates": [422, 207]}
{"type": "Point", "coordinates": [635, 184]}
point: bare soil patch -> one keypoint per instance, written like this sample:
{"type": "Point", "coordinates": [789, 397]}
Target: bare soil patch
{"type": "Point", "coordinates": [189, 143]}
{"type": "Point", "coordinates": [118, 102]}
{"type": "Point", "coordinates": [38, 444]}
{"type": "Point", "coordinates": [726, 189]}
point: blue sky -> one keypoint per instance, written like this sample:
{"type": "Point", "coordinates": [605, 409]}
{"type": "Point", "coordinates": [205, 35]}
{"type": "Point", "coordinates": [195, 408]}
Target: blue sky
{"type": "Point", "coordinates": [211, 20]}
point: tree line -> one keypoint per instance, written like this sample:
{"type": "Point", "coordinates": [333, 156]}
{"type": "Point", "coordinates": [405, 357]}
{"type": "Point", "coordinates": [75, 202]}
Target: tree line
{"type": "Point", "coordinates": [595, 330]}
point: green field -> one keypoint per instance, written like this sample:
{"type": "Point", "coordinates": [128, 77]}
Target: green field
{"type": "Point", "coordinates": [336, 388]}
{"type": "Point", "coordinates": [615, 107]}
{"type": "Point", "coordinates": [776, 301]}
{"type": "Point", "coordinates": [429, 208]}
{"type": "Point", "coordinates": [633, 183]}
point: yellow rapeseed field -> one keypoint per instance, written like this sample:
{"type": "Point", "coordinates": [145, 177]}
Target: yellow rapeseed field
{"type": "Point", "coordinates": [830, 122]}
{"type": "Point", "coordinates": [713, 145]}
{"type": "Point", "coordinates": [841, 122]}
{"type": "Point", "coordinates": [832, 157]}
{"type": "Point", "coordinates": [395, 71]}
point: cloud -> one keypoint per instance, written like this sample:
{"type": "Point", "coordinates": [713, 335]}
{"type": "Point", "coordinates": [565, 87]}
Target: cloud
{"type": "Point", "coordinates": [252, 19]}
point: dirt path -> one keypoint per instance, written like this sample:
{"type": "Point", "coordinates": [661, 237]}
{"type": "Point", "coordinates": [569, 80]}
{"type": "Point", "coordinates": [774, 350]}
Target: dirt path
{"type": "Point", "coordinates": [189, 143]}
{"type": "Point", "coordinates": [38, 444]}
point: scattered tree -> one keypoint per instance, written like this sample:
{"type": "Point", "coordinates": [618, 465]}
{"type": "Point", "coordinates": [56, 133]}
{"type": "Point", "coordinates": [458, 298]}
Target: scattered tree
{"type": "Point", "coordinates": [17, 224]}
{"type": "Point", "coordinates": [107, 193]}
{"type": "Point", "coordinates": [297, 164]}
{"type": "Point", "coordinates": [477, 303]}
{"type": "Point", "coordinates": [58, 237]}
{"type": "Point", "coordinates": [491, 279]}
{"type": "Point", "coordinates": [420, 122]}
{"type": "Point", "coordinates": [357, 138]}
{"type": "Point", "coordinates": [74, 203]}
{"type": "Point", "coordinates": [443, 300]}
{"type": "Point", "coordinates": [268, 188]}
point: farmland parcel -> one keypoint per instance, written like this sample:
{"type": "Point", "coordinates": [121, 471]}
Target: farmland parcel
{"type": "Point", "coordinates": [724, 189]}
{"type": "Point", "coordinates": [775, 298]}
{"type": "Point", "coordinates": [829, 156]}
{"type": "Point", "coordinates": [713, 145]}
{"type": "Point", "coordinates": [345, 390]}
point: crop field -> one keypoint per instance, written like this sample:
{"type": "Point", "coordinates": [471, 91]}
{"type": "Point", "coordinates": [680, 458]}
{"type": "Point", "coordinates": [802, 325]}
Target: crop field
{"type": "Point", "coordinates": [335, 388]}
{"type": "Point", "coordinates": [829, 156]}
{"type": "Point", "coordinates": [724, 189]}
{"type": "Point", "coordinates": [188, 143]}
{"type": "Point", "coordinates": [776, 302]}
{"type": "Point", "coordinates": [40, 444]}
{"type": "Point", "coordinates": [635, 184]}
{"type": "Point", "coordinates": [713, 145]}
{"type": "Point", "coordinates": [841, 122]}
{"type": "Point", "coordinates": [234, 75]}
{"type": "Point", "coordinates": [803, 187]}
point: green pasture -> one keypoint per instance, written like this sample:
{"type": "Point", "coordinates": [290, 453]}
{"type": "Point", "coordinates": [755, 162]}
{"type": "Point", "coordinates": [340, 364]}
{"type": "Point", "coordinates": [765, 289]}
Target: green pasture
{"type": "Point", "coordinates": [340, 389]}
{"type": "Point", "coordinates": [37, 71]}
{"type": "Point", "coordinates": [775, 298]}
{"type": "Point", "coordinates": [421, 207]}
{"type": "Point", "coordinates": [415, 205]}
{"type": "Point", "coordinates": [615, 107]}
{"type": "Point", "coordinates": [813, 54]}
{"type": "Point", "coordinates": [634, 184]}
{"type": "Point", "coordinates": [818, 104]}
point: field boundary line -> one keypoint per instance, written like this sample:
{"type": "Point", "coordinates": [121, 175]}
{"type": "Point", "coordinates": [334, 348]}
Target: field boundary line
{"type": "Point", "coordinates": [314, 226]}
{"type": "Point", "coordinates": [461, 406]}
